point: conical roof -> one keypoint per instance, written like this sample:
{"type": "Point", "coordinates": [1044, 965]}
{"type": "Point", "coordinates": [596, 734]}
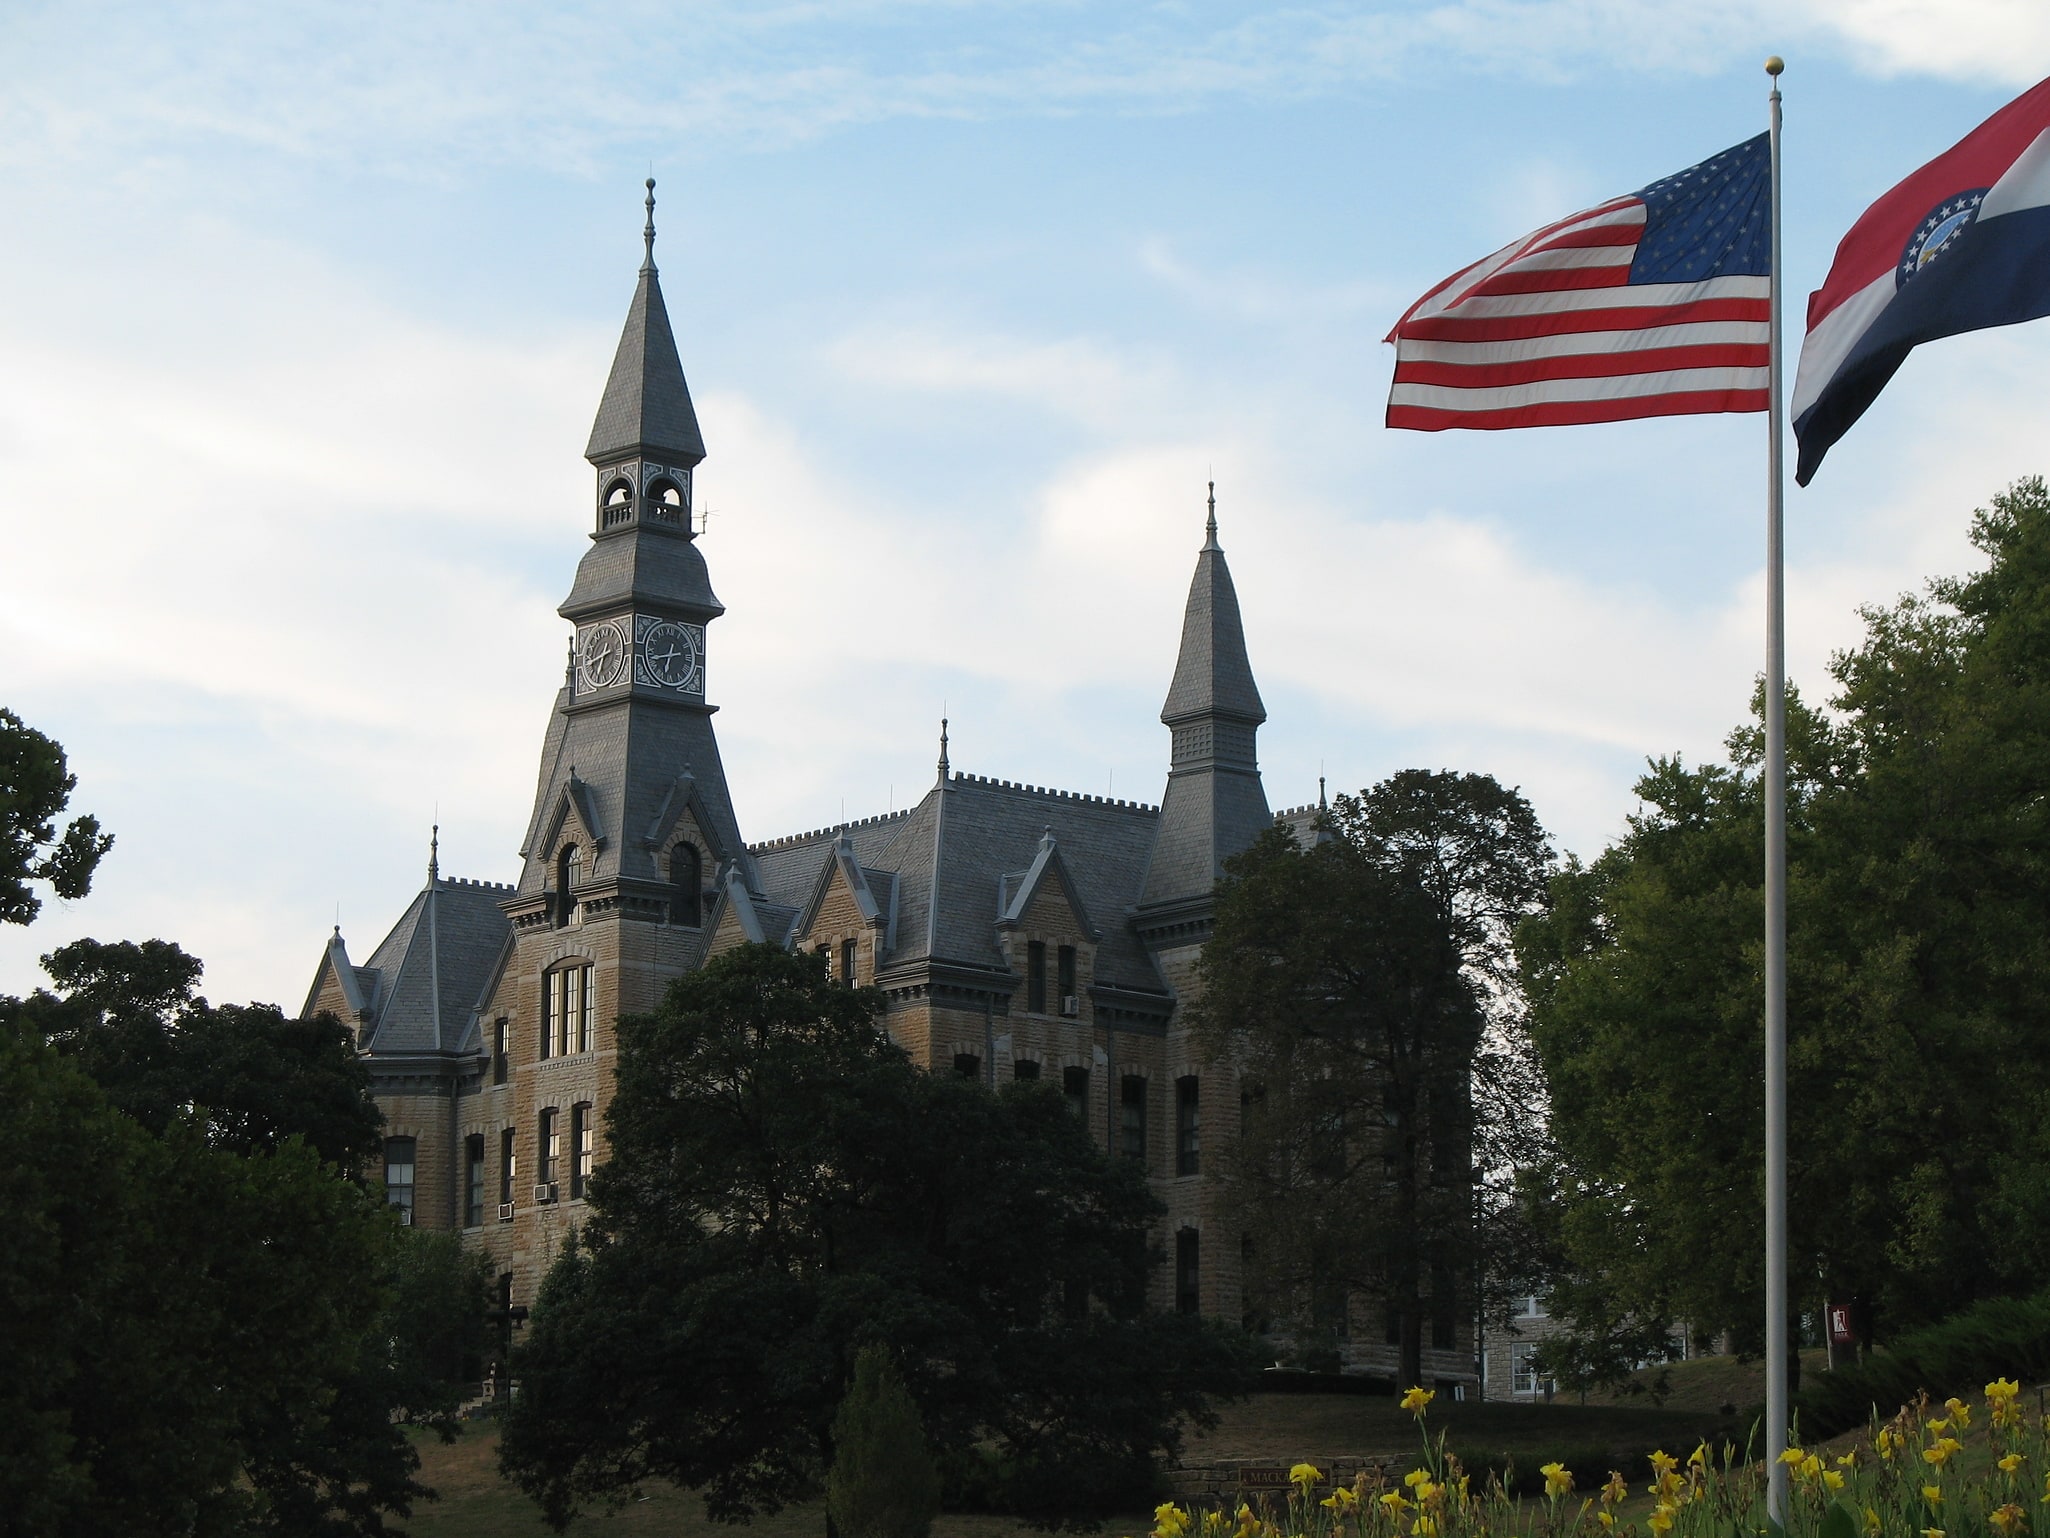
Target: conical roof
{"type": "Point", "coordinates": [646, 409]}
{"type": "Point", "coordinates": [1212, 675]}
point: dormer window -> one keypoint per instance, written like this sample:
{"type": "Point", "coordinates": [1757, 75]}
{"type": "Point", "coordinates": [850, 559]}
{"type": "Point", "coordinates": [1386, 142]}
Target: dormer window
{"type": "Point", "coordinates": [686, 885]}
{"type": "Point", "coordinates": [569, 872]}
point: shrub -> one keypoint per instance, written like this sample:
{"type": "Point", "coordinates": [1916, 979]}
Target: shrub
{"type": "Point", "coordinates": [883, 1483]}
{"type": "Point", "coordinates": [2002, 1335]}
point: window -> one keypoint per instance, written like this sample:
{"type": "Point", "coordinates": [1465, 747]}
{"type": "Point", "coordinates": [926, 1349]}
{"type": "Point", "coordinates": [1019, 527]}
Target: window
{"type": "Point", "coordinates": [508, 1167]}
{"type": "Point", "coordinates": [567, 1006]}
{"type": "Point", "coordinates": [501, 1030]}
{"type": "Point", "coordinates": [569, 871]}
{"type": "Point", "coordinates": [1025, 1069]}
{"type": "Point", "coordinates": [1188, 1131]}
{"type": "Point", "coordinates": [968, 1065]}
{"type": "Point", "coordinates": [1064, 975]}
{"type": "Point", "coordinates": [398, 1173]}
{"type": "Point", "coordinates": [1523, 1367]}
{"type": "Point", "coordinates": [473, 1180]}
{"type": "Point", "coordinates": [1532, 1308]}
{"type": "Point", "coordinates": [1188, 1272]}
{"type": "Point", "coordinates": [1132, 1117]}
{"type": "Point", "coordinates": [547, 1148]}
{"type": "Point", "coordinates": [848, 953]}
{"type": "Point", "coordinates": [1035, 977]}
{"type": "Point", "coordinates": [581, 1137]}
{"type": "Point", "coordinates": [1075, 1085]}
{"type": "Point", "coordinates": [686, 885]}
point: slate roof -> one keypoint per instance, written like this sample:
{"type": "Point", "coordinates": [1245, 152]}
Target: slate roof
{"type": "Point", "coordinates": [646, 409]}
{"type": "Point", "coordinates": [422, 984]}
{"type": "Point", "coordinates": [1211, 674]}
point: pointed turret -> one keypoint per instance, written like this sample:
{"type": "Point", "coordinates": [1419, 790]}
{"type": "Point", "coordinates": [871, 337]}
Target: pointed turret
{"type": "Point", "coordinates": [646, 412]}
{"type": "Point", "coordinates": [1214, 805]}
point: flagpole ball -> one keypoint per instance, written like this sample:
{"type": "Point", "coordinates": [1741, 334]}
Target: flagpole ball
{"type": "Point", "coordinates": [1774, 65]}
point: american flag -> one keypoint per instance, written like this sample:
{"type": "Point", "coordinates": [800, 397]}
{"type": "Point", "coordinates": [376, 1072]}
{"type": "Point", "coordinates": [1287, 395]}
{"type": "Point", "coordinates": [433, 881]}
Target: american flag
{"type": "Point", "coordinates": [1654, 304]}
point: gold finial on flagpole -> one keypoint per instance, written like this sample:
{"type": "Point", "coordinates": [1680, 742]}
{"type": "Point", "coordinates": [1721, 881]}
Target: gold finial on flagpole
{"type": "Point", "coordinates": [1774, 65]}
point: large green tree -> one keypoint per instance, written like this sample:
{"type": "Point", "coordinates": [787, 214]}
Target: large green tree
{"type": "Point", "coordinates": [1362, 987]}
{"type": "Point", "coordinates": [35, 787]}
{"type": "Point", "coordinates": [1919, 984]}
{"type": "Point", "coordinates": [783, 1188]}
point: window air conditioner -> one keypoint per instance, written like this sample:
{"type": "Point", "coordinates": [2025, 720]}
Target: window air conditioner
{"type": "Point", "coordinates": [405, 1217]}
{"type": "Point", "coordinates": [1070, 1005]}
{"type": "Point", "coordinates": [505, 1212]}
{"type": "Point", "coordinates": [543, 1194]}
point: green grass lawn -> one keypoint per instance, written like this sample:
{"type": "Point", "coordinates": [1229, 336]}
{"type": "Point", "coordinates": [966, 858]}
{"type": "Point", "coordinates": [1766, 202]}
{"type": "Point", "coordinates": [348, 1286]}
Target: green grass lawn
{"type": "Point", "coordinates": [476, 1503]}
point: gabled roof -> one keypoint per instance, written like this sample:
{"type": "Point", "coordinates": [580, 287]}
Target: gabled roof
{"type": "Point", "coordinates": [1015, 892]}
{"type": "Point", "coordinates": [646, 409]}
{"type": "Point", "coordinates": [422, 984]}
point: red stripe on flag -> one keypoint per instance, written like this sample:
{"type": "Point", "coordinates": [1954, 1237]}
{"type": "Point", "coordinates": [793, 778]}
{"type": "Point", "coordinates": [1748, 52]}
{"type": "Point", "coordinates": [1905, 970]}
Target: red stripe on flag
{"type": "Point", "coordinates": [1510, 328]}
{"type": "Point", "coordinates": [1597, 235]}
{"type": "Point", "coordinates": [1584, 365]}
{"type": "Point", "coordinates": [1432, 419]}
{"type": "Point", "coordinates": [1547, 280]}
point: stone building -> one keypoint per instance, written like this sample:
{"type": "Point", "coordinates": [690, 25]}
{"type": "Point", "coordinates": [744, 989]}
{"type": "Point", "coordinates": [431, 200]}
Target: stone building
{"type": "Point", "coordinates": [1017, 932]}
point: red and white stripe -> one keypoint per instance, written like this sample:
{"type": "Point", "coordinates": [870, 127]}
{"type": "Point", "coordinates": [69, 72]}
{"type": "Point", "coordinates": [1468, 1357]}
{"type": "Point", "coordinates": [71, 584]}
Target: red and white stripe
{"type": "Point", "coordinates": [1550, 331]}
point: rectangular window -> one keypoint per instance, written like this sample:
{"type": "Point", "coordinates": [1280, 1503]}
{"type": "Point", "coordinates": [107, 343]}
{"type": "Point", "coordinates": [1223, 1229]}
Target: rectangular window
{"type": "Point", "coordinates": [500, 1029]}
{"type": "Point", "coordinates": [551, 1011]}
{"type": "Point", "coordinates": [398, 1173]}
{"type": "Point", "coordinates": [508, 1167]}
{"type": "Point", "coordinates": [1024, 1068]}
{"type": "Point", "coordinates": [1064, 975]}
{"type": "Point", "coordinates": [968, 1065]}
{"type": "Point", "coordinates": [1075, 1085]}
{"type": "Point", "coordinates": [1132, 1117]}
{"type": "Point", "coordinates": [586, 1008]}
{"type": "Point", "coordinates": [1188, 1272]}
{"type": "Point", "coordinates": [1523, 1364]}
{"type": "Point", "coordinates": [572, 1006]}
{"type": "Point", "coordinates": [473, 1180]}
{"type": "Point", "coordinates": [848, 955]}
{"type": "Point", "coordinates": [1188, 1129]}
{"type": "Point", "coordinates": [1035, 977]}
{"type": "Point", "coordinates": [547, 1148]}
{"type": "Point", "coordinates": [581, 1136]}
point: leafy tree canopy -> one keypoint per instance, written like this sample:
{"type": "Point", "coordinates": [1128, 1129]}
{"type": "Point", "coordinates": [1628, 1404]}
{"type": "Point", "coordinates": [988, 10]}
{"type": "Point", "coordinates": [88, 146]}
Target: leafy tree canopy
{"type": "Point", "coordinates": [783, 1187]}
{"type": "Point", "coordinates": [1919, 975]}
{"type": "Point", "coordinates": [35, 787]}
{"type": "Point", "coordinates": [1362, 987]}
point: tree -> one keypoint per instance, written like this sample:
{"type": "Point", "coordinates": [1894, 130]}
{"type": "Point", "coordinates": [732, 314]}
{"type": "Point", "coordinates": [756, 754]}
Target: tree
{"type": "Point", "coordinates": [783, 1188]}
{"type": "Point", "coordinates": [1919, 902]}
{"type": "Point", "coordinates": [35, 787]}
{"type": "Point", "coordinates": [883, 1483]}
{"type": "Point", "coordinates": [1359, 985]}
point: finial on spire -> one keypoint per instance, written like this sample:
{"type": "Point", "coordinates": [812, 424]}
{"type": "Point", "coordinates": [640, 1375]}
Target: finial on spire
{"type": "Point", "coordinates": [434, 854]}
{"type": "Point", "coordinates": [1210, 528]}
{"type": "Point", "coordinates": [1322, 804]}
{"type": "Point", "coordinates": [944, 768]}
{"type": "Point", "coordinates": [648, 230]}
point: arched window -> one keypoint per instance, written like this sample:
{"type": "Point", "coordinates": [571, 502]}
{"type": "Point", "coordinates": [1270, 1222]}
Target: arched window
{"type": "Point", "coordinates": [569, 870]}
{"type": "Point", "coordinates": [666, 500]}
{"type": "Point", "coordinates": [686, 885]}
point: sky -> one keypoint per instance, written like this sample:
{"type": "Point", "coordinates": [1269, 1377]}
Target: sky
{"type": "Point", "coordinates": [305, 311]}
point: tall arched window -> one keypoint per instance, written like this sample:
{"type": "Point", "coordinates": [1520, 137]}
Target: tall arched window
{"type": "Point", "coordinates": [569, 870]}
{"type": "Point", "coordinates": [686, 884]}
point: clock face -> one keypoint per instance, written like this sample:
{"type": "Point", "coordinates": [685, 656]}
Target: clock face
{"type": "Point", "coordinates": [601, 655]}
{"type": "Point", "coordinates": [673, 656]}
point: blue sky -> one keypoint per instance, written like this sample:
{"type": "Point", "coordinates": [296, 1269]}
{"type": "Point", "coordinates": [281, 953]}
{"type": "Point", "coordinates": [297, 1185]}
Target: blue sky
{"type": "Point", "coordinates": [304, 312]}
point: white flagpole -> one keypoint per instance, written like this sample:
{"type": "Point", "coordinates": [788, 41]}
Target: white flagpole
{"type": "Point", "coordinates": [1775, 887]}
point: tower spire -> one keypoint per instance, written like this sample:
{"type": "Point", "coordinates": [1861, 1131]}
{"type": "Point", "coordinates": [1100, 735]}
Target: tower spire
{"type": "Point", "coordinates": [433, 856]}
{"type": "Point", "coordinates": [1210, 528]}
{"type": "Point", "coordinates": [648, 231]}
{"type": "Point", "coordinates": [944, 768]}
{"type": "Point", "coordinates": [646, 412]}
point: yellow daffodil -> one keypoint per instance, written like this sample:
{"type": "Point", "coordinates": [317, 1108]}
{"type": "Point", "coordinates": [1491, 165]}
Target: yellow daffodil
{"type": "Point", "coordinates": [1426, 1492]}
{"type": "Point", "coordinates": [1871, 1520]}
{"type": "Point", "coordinates": [2012, 1462]}
{"type": "Point", "coordinates": [1662, 1461]}
{"type": "Point", "coordinates": [1661, 1520]}
{"type": "Point", "coordinates": [1169, 1521]}
{"type": "Point", "coordinates": [1933, 1494]}
{"type": "Point", "coordinates": [1959, 1412]}
{"type": "Point", "coordinates": [1424, 1526]}
{"type": "Point", "coordinates": [1395, 1503]}
{"type": "Point", "coordinates": [1936, 1425]}
{"type": "Point", "coordinates": [1416, 1477]}
{"type": "Point", "coordinates": [1699, 1457]}
{"type": "Point", "coordinates": [1887, 1442]}
{"type": "Point", "coordinates": [2005, 1519]}
{"type": "Point", "coordinates": [1305, 1475]}
{"type": "Point", "coordinates": [1606, 1518]}
{"type": "Point", "coordinates": [1809, 1467]}
{"type": "Point", "coordinates": [1558, 1479]}
{"type": "Point", "coordinates": [1932, 1532]}
{"type": "Point", "coordinates": [1417, 1398]}
{"type": "Point", "coordinates": [1848, 1460]}
{"type": "Point", "coordinates": [1832, 1480]}
{"type": "Point", "coordinates": [1616, 1491]}
{"type": "Point", "coordinates": [1792, 1456]}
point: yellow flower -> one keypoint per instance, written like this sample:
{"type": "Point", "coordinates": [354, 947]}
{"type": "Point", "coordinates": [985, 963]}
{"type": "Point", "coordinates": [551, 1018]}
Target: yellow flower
{"type": "Point", "coordinates": [1169, 1521]}
{"type": "Point", "coordinates": [1888, 1442]}
{"type": "Point", "coordinates": [1558, 1479]}
{"type": "Point", "coordinates": [2005, 1518]}
{"type": "Point", "coordinates": [1848, 1460]}
{"type": "Point", "coordinates": [1662, 1461]}
{"type": "Point", "coordinates": [1424, 1527]}
{"type": "Point", "coordinates": [1418, 1397]}
{"type": "Point", "coordinates": [1699, 1457]}
{"type": "Point", "coordinates": [1939, 1452]}
{"type": "Point", "coordinates": [1615, 1492]}
{"type": "Point", "coordinates": [1427, 1492]}
{"type": "Point", "coordinates": [1959, 1412]}
{"type": "Point", "coordinates": [1395, 1503]}
{"type": "Point", "coordinates": [1933, 1494]}
{"type": "Point", "coordinates": [1606, 1518]}
{"type": "Point", "coordinates": [2002, 1389]}
{"type": "Point", "coordinates": [1416, 1477]}
{"type": "Point", "coordinates": [1306, 1474]}
{"type": "Point", "coordinates": [1932, 1532]}
{"type": "Point", "coordinates": [1871, 1520]}
{"type": "Point", "coordinates": [1832, 1479]}
{"type": "Point", "coordinates": [1810, 1467]}
{"type": "Point", "coordinates": [2012, 1462]}
{"type": "Point", "coordinates": [1661, 1520]}
{"type": "Point", "coordinates": [1792, 1455]}
{"type": "Point", "coordinates": [1937, 1425]}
